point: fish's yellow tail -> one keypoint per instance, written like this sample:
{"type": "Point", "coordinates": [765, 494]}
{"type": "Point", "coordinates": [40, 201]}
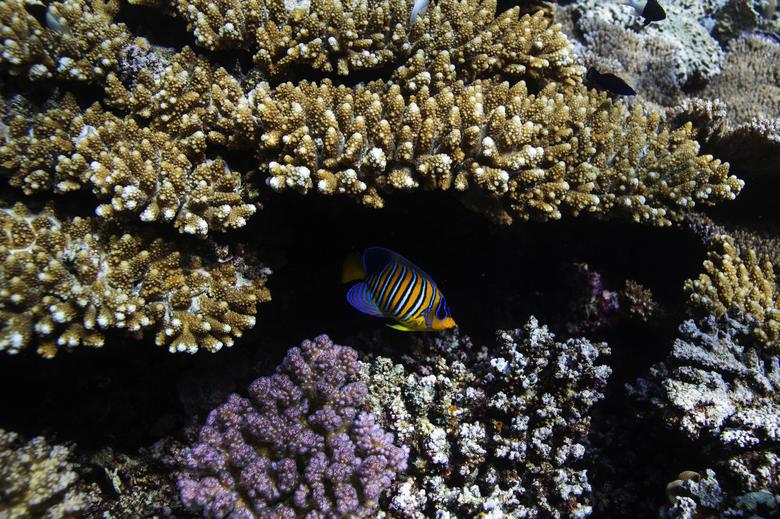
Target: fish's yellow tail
{"type": "Point", "coordinates": [353, 268]}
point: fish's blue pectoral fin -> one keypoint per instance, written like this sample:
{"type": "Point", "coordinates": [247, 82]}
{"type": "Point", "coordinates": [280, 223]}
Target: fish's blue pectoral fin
{"type": "Point", "coordinates": [360, 298]}
{"type": "Point", "coordinates": [399, 327]}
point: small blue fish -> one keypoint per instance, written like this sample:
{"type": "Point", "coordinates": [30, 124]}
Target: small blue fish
{"type": "Point", "coordinates": [395, 288]}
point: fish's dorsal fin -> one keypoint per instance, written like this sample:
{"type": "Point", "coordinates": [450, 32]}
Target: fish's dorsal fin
{"type": "Point", "coordinates": [360, 298]}
{"type": "Point", "coordinates": [377, 258]}
{"type": "Point", "coordinates": [353, 268]}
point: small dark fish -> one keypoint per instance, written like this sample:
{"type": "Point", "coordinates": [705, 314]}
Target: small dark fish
{"type": "Point", "coordinates": [608, 82]}
{"type": "Point", "coordinates": [653, 12]}
{"type": "Point", "coordinates": [37, 10]}
{"type": "Point", "coordinates": [650, 10]}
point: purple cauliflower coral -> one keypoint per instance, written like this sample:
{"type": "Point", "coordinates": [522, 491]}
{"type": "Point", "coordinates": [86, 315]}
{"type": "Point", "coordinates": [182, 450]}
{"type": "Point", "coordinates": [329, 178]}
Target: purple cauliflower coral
{"type": "Point", "coordinates": [299, 446]}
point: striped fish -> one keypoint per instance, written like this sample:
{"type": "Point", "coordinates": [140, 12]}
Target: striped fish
{"type": "Point", "coordinates": [395, 288]}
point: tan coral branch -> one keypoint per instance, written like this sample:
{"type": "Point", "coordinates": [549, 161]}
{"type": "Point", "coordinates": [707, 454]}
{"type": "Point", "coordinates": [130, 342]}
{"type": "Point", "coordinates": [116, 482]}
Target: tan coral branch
{"type": "Point", "coordinates": [65, 282]}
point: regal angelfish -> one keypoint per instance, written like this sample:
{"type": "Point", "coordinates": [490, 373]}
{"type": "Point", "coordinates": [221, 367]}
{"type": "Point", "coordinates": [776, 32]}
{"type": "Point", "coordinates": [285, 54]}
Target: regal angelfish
{"type": "Point", "coordinates": [395, 288]}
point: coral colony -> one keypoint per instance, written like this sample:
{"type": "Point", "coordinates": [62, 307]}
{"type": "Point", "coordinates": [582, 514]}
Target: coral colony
{"type": "Point", "coordinates": [130, 171]}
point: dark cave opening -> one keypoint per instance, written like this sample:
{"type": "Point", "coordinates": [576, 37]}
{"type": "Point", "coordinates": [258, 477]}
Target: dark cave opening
{"type": "Point", "coordinates": [130, 394]}
{"type": "Point", "coordinates": [493, 278]}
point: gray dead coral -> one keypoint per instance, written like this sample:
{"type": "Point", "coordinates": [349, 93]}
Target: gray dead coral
{"type": "Point", "coordinates": [720, 387]}
{"type": "Point", "coordinates": [37, 479]}
{"type": "Point", "coordinates": [65, 282]}
{"type": "Point", "coordinates": [751, 65]}
{"type": "Point", "coordinates": [664, 56]}
{"type": "Point", "coordinates": [717, 384]}
{"type": "Point", "coordinates": [492, 433]}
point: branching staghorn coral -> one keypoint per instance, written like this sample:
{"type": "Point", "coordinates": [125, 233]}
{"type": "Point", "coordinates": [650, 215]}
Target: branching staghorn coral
{"type": "Point", "coordinates": [134, 171]}
{"type": "Point", "coordinates": [189, 99]}
{"type": "Point", "coordinates": [37, 480]}
{"type": "Point", "coordinates": [492, 433]}
{"type": "Point", "coordinates": [761, 240]}
{"type": "Point", "coordinates": [343, 37]}
{"type": "Point", "coordinates": [78, 42]}
{"type": "Point", "coordinates": [544, 155]}
{"type": "Point", "coordinates": [68, 281]}
{"type": "Point", "coordinates": [301, 445]}
{"type": "Point", "coordinates": [735, 283]}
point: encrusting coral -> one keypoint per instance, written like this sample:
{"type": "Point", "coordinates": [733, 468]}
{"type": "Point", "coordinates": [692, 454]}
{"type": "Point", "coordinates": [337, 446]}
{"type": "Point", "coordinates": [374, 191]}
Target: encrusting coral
{"type": "Point", "coordinates": [495, 433]}
{"type": "Point", "coordinates": [544, 154]}
{"type": "Point", "coordinates": [67, 281]}
{"type": "Point", "coordinates": [301, 445]}
{"type": "Point", "coordinates": [37, 480]}
{"type": "Point", "coordinates": [133, 170]}
{"type": "Point", "coordinates": [752, 63]}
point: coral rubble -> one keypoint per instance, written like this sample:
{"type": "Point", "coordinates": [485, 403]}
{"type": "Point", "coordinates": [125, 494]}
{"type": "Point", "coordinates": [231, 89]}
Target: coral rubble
{"type": "Point", "coordinates": [301, 444]}
{"type": "Point", "coordinates": [497, 433]}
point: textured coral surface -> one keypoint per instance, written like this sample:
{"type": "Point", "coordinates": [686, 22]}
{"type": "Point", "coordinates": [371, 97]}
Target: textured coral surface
{"type": "Point", "coordinates": [37, 479]}
{"type": "Point", "coordinates": [497, 432]}
{"type": "Point", "coordinates": [300, 445]}
{"type": "Point", "coordinates": [68, 281]}
{"type": "Point", "coordinates": [158, 158]}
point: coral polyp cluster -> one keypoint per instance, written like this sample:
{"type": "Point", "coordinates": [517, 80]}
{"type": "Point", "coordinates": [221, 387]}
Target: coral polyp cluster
{"type": "Point", "coordinates": [737, 283]}
{"type": "Point", "coordinates": [540, 144]}
{"type": "Point", "coordinates": [301, 445]}
{"type": "Point", "coordinates": [78, 40]}
{"type": "Point", "coordinates": [38, 479]}
{"type": "Point", "coordinates": [135, 170]}
{"type": "Point", "coordinates": [494, 432]}
{"type": "Point", "coordinates": [346, 37]}
{"type": "Point", "coordinates": [68, 281]}
{"type": "Point", "coordinates": [543, 154]}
